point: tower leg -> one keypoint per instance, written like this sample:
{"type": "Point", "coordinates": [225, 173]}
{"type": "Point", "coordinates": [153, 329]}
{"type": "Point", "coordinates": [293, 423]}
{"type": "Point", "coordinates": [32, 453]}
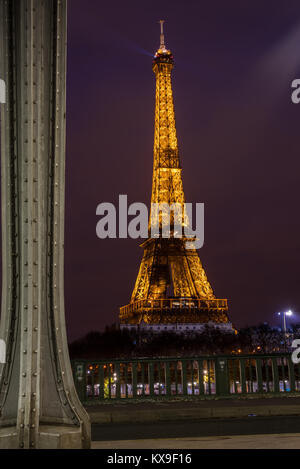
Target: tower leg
{"type": "Point", "coordinates": [39, 407]}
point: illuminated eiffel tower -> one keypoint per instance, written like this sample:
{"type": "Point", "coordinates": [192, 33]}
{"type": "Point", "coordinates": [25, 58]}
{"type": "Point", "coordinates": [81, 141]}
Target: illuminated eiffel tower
{"type": "Point", "coordinates": [172, 290]}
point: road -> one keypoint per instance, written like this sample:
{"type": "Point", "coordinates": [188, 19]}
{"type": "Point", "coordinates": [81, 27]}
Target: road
{"type": "Point", "coordinates": [201, 428]}
{"type": "Point", "coordinates": [271, 442]}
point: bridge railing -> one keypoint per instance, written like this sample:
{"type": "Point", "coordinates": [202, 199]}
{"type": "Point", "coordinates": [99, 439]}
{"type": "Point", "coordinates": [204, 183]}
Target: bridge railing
{"type": "Point", "coordinates": [202, 377]}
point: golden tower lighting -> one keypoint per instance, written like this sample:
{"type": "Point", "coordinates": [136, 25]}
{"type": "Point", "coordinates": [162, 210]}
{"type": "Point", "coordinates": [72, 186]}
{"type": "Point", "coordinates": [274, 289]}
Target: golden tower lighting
{"type": "Point", "coordinates": [171, 286]}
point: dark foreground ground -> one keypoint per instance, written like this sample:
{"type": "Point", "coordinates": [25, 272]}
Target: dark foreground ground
{"type": "Point", "coordinates": [150, 420]}
{"type": "Point", "coordinates": [201, 428]}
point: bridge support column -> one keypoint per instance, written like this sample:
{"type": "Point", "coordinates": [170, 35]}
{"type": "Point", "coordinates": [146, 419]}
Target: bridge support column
{"type": "Point", "coordinates": [39, 407]}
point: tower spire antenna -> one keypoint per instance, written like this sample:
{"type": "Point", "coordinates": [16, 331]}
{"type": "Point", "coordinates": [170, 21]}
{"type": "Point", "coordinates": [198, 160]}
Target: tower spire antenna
{"type": "Point", "coordinates": [162, 36]}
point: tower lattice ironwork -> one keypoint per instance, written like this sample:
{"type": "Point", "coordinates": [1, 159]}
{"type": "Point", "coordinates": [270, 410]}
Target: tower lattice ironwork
{"type": "Point", "coordinates": [171, 286]}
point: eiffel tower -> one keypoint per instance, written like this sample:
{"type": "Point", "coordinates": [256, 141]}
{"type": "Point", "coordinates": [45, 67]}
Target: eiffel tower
{"type": "Point", "coordinates": [172, 290]}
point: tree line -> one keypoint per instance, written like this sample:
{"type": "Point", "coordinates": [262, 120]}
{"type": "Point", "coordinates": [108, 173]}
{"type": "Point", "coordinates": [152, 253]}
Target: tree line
{"type": "Point", "coordinates": [116, 343]}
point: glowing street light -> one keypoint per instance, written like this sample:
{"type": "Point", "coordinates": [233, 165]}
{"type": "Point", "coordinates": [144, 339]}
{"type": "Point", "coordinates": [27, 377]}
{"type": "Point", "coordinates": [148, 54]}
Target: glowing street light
{"type": "Point", "coordinates": [285, 314]}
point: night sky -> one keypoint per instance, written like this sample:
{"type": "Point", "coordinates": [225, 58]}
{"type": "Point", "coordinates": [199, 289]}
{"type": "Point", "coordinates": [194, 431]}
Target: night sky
{"type": "Point", "coordinates": [238, 135]}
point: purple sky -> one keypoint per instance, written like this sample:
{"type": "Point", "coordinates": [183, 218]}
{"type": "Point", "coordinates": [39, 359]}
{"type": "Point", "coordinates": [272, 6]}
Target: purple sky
{"type": "Point", "coordinates": [238, 138]}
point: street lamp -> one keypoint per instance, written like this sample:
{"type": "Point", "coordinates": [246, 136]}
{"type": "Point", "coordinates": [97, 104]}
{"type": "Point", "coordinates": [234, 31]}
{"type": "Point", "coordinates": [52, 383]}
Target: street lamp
{"type": "Point", "coordinates": [285, 314]}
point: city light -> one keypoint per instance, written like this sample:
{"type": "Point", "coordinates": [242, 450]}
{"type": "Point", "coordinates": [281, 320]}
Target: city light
{"type": "Point", "coordinates": [285, 314]}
